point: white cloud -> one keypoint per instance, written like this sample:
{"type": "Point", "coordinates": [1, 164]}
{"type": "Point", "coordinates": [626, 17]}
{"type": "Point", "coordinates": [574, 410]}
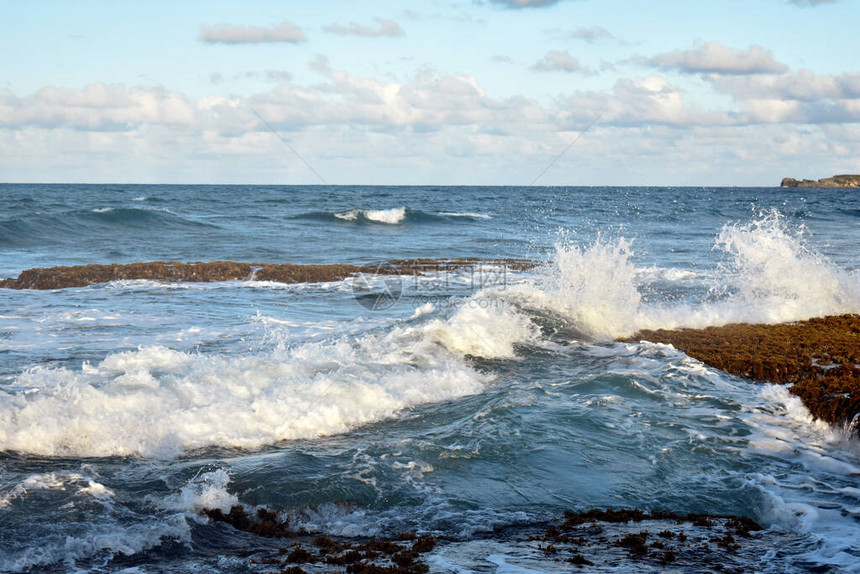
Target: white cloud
{"type": "Point", "coordinates": [432, 102]}
{"type": "Point", "coordinates": [801, 85]}
{"type": "Point", "coordinates": [591, 34]}
{"type": "Point", "coordinates": [96, 107]}
{"type": "Point", "coordinates": [237, 34]}
{"type": "Point", "coordinates": [796, 97]}
{"type": "Point", "coordinates": [715, 58]}
{"type": "Point", "coordinates": [384, 28]}
{"type": "Point", "coordinates": [430, 127]}
{"type": "Point", "coordinates": [559, 61]}
{"type": "Point", "coordinates": [650, 100]}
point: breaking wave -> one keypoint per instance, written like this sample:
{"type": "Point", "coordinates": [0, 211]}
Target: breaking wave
{"type": "Point", "coordinates": [393, 216]}
{"type": "Point", "coordinates": [157, 402]}
{"type": "Point", "coordinates": [769, 274]}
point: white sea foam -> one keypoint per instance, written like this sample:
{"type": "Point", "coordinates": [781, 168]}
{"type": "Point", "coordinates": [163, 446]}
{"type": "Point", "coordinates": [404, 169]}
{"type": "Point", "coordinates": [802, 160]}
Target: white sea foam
{"type": "Point", "coordinates": [391, 216]}
{"type": "Point", "coordinates": [467, 214]}
{"type": "Point", "coordinates": [107, 538]}
{"type": "Point", "coordinates": [594, 287]}
{"type": "Point", "coordinates": [484, 327]}
{"type": "Point", "coordinates": [207, 491]}
{"type": "Point", "coordinates": [770, 275]}
{"type": "Point", "coordinates": [779, 276]}
{"type": "Point", "coordinates": [670, 274]}
{"type": "Point", "coordinates": [159, 402]}
{"type": "Point", "coordinates": [804, 501]}
{"type": "Point", "coordinates": [424, 309]}
{"type": "Point", "coordinates": [66, 481]}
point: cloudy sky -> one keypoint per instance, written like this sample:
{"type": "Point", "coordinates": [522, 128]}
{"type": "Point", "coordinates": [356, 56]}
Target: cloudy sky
{"type": "Point", "coordinates": [711, 92]}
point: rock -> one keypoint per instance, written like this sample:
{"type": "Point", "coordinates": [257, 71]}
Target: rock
{"type": "Point", "coordinates": [835, 181]}
{"type": "Point", "coordinates": [620, 540]}
{"type": "Point", "coordinates": [83, 275]}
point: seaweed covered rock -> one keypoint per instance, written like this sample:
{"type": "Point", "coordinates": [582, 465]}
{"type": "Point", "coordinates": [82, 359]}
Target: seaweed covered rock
{"type": "Point", "coordinates": [62, 277]}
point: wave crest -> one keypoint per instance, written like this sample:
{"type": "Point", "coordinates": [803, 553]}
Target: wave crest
{"type": "Point", "coordinates": [770, 275]}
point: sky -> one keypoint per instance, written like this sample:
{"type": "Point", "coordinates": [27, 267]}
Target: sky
{"type": "Point", "coordinates": [449, 92]}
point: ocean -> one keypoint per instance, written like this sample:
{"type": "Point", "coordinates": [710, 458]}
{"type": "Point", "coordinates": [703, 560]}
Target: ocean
{"type": "Point", "coordinates": [464, 403]}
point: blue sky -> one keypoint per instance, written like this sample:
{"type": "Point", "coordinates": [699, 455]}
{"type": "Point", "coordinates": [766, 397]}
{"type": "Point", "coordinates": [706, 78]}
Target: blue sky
{"type": "Point", "coordinates": [471, 92]}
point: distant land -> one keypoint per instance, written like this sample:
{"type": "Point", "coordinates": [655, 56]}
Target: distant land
{"type": "Point", "coordinates": [835, 181]}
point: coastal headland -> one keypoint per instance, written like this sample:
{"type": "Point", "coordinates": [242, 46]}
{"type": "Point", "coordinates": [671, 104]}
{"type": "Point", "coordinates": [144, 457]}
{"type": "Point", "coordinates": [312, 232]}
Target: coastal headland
{"type": "Point", "coordinates": [844, 180]}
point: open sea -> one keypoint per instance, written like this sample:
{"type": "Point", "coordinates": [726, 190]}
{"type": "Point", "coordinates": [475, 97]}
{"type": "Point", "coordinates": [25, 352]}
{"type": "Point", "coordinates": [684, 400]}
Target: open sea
{"type": "Point", "coordinates": [458, 404]}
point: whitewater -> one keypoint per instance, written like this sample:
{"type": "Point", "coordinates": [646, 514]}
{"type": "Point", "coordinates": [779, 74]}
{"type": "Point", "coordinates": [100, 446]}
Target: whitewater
{"type": "Point", "coordinates": [480, 398]}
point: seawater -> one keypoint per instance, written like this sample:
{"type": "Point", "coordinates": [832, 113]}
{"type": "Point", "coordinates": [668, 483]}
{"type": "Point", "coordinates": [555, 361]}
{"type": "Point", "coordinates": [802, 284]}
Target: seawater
{"type": "Point", "coordinates": [480, 399]}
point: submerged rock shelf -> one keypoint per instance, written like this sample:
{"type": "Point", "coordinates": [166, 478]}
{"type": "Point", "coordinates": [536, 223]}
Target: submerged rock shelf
{"type": "Point", "coordinates": [83, 275]}
{"type": "Point", "coordinates": [819, 356]}
{"type": "Point", "coordinates": [626, 540]}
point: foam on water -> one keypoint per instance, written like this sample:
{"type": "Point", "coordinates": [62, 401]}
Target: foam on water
{"type": "Point", "coordinates": [319, 372]}
{"type": "Point", "coordinates": [391, 216]}
{"type": "Point", "coordinates": [775, 272]}
{"type": "Point", "coordinates": [99, 543]}
{"type": "Point", "coordinates": [769, 275]}
{"type": "Point", "coordinates": [593, 287]}
{"type": "Point", "coordinates": [817, 499]}
{"type": "Point", "coordinates": [97, 531]}
{"type": "Point", "coordinates": [467, 215]}
{"type": "Point", "coordinates": [207, 491]}
{"type": "Point", "coordinates": [158, 402]}
{"type": "Point", "coordinates": [484, 327]}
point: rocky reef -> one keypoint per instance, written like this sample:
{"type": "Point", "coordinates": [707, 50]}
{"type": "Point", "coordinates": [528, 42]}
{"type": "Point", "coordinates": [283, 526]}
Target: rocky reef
{"type": "Point", "coordinates": [835, 181]}
{"type": "Point", "coordinates": [82, 275]}
{"type": "Point", "coordinates": [819, 357]}
{"type": "Point", "coordinates": [621, 540]}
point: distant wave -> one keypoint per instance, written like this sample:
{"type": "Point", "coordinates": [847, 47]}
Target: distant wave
{"type": "Point", "coordinates": [393, 216]}
{"type": "Point", "coordinates": [465, 215]}
{"type": "Point", "coordinates": [40, 228]}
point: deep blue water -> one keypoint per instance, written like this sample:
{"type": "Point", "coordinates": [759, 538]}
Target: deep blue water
{"type": "Point", "coordinates": [482, 398]}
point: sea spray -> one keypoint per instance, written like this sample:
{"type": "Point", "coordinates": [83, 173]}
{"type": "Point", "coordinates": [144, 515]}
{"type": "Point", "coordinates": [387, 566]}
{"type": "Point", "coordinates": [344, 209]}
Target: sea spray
{"type": "Point", "coordinates": [774, 273]}
{"type": "Point", "coordinates": [595, 286]}
{"type": "Point", "coordinates": [591, 287]}
{"type": "Point", "coordinates": [484, 327]}
{"type": "Point", "coordinates": [769, 274]}
{"type": "Point", "coordinates": [553, 422]}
